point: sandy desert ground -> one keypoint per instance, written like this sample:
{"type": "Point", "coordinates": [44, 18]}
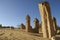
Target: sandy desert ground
{"type": "Point", "coordinates": [18, 34]}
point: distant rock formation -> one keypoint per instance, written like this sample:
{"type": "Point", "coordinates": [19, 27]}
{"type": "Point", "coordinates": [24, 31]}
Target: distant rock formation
{"type": "Point", "coordinates": [22, 26]}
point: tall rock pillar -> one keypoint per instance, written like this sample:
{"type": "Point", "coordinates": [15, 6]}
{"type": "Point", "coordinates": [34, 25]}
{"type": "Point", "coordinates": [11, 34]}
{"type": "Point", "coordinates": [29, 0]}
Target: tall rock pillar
{"type": "Point", "coordinates": [28, 27]}
{"type": "Point", "coordinates": [47, 24]}
{"type": "Point", "coordinates": [36, 25]}
{"type": "Point", "coordinates": [54, 24]}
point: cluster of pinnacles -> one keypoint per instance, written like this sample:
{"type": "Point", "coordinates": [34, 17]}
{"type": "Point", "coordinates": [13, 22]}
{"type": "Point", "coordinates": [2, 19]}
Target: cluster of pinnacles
{"type": "Point", "coordinates": [28, 27]}
{"type": "Point", "coordinates": [48, 25]}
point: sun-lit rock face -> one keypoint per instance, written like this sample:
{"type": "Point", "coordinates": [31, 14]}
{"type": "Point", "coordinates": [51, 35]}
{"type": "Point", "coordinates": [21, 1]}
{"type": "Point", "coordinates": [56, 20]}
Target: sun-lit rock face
{"type": "Point", "coordinates": [46, 17]}
{"type": "Point", "coordinates": [28, 26]}
{"type": "Point", "coordinates": [40, 27]}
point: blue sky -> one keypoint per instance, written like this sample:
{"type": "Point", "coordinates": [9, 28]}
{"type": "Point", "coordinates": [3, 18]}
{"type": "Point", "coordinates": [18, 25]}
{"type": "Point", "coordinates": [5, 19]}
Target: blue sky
{"type": "Point", "coordinates": [13, 12]}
